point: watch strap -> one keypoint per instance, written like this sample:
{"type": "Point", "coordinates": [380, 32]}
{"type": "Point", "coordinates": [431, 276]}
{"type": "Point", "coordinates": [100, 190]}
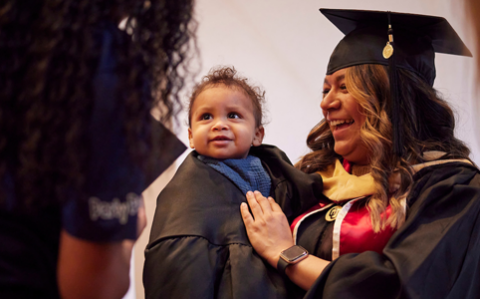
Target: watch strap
{"type": "Point", "coordinates": [282, 267]}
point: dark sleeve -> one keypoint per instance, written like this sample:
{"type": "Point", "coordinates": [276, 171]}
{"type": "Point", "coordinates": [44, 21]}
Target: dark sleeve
{"type": "Point", "coordinates": [107, 211]}
{"type": "Point", "coordinates": [192, 267]}
{"type": "Point", "coordinates": [184, 267]}
{"type": "Point", "coordinates": [435, 254]}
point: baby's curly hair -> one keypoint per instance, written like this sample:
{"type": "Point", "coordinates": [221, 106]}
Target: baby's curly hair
{"type": "Point", "coordinates": [227, 76]}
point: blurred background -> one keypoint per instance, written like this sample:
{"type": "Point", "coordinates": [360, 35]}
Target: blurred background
{"type": "Point", "coordinates": [284, 46]}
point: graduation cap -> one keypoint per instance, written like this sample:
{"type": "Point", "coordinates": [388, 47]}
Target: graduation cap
{"type": "Point", "coordinates": [402, 40]}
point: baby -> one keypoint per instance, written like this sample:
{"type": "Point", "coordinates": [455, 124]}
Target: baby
{"type": "Point", "coordinates": [198, 244]}
{"type": "Point", "coordinates": [225, 120]}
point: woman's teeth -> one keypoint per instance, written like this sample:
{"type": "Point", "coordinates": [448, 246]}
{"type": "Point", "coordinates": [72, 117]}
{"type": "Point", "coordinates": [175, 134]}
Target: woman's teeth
{"type": "Point", "coordinates": [336, 123]}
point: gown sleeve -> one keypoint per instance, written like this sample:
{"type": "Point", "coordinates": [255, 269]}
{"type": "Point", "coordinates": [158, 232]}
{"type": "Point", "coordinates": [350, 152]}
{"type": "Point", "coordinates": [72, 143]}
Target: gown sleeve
{"type": "Point", "coordinates": [107, 211]}
{"type": "Point", "coordinates": [192, 267]}
{"type": "Point", "coordinates": [435, 254]}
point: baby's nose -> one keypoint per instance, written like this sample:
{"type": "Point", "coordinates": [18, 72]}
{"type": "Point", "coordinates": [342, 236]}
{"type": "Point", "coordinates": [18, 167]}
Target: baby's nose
{"type": "Point", "coordinates": [220, 125]}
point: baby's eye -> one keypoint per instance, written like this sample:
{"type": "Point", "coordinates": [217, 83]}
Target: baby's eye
{"type": "Point", "coordinates": [233, 115]}
{"type": "Point", "coordinates": [206, 116]}
{"type": "Point", "coordinates": [325, 91]}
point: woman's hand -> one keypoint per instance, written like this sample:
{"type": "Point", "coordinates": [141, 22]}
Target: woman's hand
{"type": "Point", "coordinates": [269, 233]}
{"type": "Point", "coordinates": [268, 229]}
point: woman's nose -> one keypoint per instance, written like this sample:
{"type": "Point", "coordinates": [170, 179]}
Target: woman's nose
{"type": "Point", "coordinates": [330, 101]}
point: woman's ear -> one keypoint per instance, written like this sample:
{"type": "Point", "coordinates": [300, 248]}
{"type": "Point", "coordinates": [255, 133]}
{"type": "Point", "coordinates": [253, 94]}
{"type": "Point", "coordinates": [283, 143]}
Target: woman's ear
{"type": "Point", "coordinates": [190, 138]}
{"type": "Point", "coordinates": [258, 138]}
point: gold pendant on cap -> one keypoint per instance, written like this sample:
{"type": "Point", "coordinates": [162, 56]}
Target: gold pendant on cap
{"type": "Point", "coordinates": [387, 51]}
{"type": "Point", "coordinates": [333, 213]}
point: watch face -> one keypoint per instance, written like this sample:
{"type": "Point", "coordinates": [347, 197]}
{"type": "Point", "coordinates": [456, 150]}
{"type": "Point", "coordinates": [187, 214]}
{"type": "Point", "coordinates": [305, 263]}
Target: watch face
{"type": "Point", "coordinates": [294, 253]}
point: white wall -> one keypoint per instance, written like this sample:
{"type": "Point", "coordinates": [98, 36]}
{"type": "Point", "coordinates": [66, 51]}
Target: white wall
{"type": "Point", "coordinates": [284, 46]}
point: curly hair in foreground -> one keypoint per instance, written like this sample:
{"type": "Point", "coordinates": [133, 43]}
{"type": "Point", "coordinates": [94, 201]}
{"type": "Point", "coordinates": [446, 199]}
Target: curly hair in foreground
{"type": "Point", "coordinates": [46, 68]}
{"type": "Point", "coordinates": [428, 124]}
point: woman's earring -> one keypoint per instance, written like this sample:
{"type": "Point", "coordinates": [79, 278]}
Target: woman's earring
{"type": "Point", "coordinates": [146, 5]}
{"type": "Point", "coordinates": [325, 145]}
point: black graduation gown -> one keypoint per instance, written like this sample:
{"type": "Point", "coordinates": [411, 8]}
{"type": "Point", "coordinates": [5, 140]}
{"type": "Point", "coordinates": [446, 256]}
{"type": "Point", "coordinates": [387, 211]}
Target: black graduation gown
{"type": "Point", "coordinates": [435, 254]}
{"type": "Point", "coordinates": [198, 244]}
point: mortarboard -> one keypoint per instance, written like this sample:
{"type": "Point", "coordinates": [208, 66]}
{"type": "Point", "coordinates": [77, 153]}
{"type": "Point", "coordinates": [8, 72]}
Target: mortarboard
{"type": "Point", "coordinates": [402, 40]}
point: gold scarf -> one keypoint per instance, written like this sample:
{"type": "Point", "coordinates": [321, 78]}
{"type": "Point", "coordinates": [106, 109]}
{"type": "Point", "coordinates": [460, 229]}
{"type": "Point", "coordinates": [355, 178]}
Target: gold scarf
{"type": "Point", "coordinates": [339, 185]}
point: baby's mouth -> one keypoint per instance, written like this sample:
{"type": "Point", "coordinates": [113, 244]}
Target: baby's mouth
{"type": "Point", "coordinates": [220, 138]}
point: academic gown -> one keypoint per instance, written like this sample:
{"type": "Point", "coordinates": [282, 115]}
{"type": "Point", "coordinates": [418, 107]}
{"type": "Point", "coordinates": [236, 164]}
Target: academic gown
{"type": "Point", "coordinates": [435, 254]}
{"type": "Point", "coordinates": [198, 244]}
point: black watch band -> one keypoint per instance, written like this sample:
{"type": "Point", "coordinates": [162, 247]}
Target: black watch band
{"type": "Point", "coordinates": [282, 267]}
{"type": "Point", "coordinates": [289, 257]}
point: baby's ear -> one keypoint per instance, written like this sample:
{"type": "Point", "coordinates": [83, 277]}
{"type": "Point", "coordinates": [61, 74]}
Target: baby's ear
{"type": "Point", "coordinates": [258, 138]}
{"type": "Point", "coordinates": [190, 138]}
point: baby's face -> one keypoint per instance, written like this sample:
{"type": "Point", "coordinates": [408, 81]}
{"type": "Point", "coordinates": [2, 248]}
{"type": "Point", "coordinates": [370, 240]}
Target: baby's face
{"type": "Point", "coordinates": [223, 124]}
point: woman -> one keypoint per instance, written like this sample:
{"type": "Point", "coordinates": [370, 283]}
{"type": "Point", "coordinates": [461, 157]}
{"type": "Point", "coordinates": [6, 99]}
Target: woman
{"type": "Point", "coordinates": [401, 217]}
{"type": "Point", "coordinates": [76, 137]}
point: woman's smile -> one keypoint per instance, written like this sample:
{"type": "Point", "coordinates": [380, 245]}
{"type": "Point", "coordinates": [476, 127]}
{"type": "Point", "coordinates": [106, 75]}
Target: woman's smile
{"type": "Point", "coordinates": [345, 118]}
{"type": "Point", "coordinates": [338, 125]}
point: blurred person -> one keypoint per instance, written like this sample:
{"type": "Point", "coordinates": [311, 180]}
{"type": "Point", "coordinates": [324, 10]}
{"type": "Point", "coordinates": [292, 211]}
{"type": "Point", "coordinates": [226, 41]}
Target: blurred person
{"type": "Point", "coordinates": [78, 144]}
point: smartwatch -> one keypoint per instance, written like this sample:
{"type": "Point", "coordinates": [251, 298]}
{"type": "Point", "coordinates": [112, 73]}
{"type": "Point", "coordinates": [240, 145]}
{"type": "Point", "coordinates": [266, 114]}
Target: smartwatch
{"type": "Point", "coordinates": [289, 257]}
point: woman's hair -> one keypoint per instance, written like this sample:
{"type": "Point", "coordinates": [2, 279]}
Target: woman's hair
{"type": "Point", "coordinates": [49, 56]}
{"type": "Point", "coordinates": [428, 124]}
{"type": "Point", "coordinates": [228, 77]}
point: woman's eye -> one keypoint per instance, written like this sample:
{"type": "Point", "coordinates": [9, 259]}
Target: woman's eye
{"type": "Point", "coordinates": [325, 91]}
{"type": "Point", "coordinates": [206, 116]}
{"type": "Point", "coordinates": [233, 115]}
{"type": "Point", "coordinates": [343, 87]}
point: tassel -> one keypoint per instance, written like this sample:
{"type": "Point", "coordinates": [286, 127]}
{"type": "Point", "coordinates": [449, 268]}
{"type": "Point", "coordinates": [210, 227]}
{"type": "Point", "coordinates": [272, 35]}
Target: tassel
{"type": "Point", "coordinates": [395, 112]}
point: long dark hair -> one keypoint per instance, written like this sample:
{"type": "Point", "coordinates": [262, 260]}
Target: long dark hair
{"type": "Point", "coordinates": [428, 124]}
{"type": "Point", "coordinates": [47, 60]}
